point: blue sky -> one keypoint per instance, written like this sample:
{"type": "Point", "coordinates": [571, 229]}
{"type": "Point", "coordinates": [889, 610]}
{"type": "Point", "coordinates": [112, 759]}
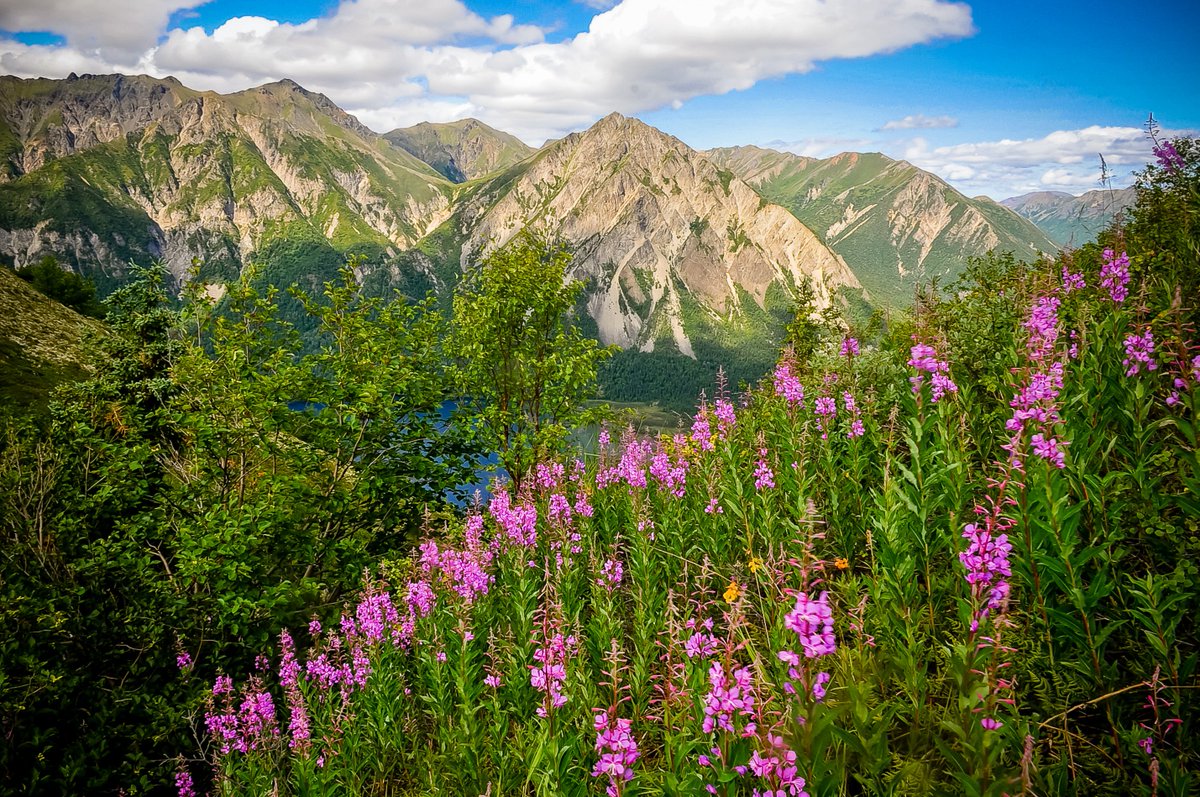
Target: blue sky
{"type": "Point", "coordinates": [999, 98]}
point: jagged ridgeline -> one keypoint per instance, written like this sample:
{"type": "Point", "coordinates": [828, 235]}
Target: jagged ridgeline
{"type": "Point", "coordinates": [897, 226]}
{"type": "Point", "coordinates": [1072, 220]}
{"type": "Point", "coordinates": [680, 254]}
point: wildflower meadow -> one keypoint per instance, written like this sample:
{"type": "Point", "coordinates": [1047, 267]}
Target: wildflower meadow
{"type": "Point", "coordinates": [957, 552]}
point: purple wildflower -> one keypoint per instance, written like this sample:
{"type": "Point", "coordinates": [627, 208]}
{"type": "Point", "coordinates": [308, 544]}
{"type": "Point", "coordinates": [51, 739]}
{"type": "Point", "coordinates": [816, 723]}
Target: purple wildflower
{"type": "Point", "coordinates": [702, 430]}
{"type": "Point", "coordinates": [611, 575]}
{"type": "Point", "coordinates": [925, 360]}
{"type": "Point", "coordinates": [618, 752]}
{"type": "Point", "coordinates": [986, 562]}
{"type": "Point", "coordinates": [1072, 281]}
{"type": "Point", "coordinates": [1168, 157]}
{"type": "Point", "coordinates": [850, 347]}
{"type": "Point", "coordinates": [1139, 351]}
{"type": "Point", "coordinates": [1114, 275]}
{"type": "Point", "coordinates": [812, 620]}
{"type": "Point", "coordinates": [764, 478]}
{"type": "Point", "coordinates": [787, 385]}
{"type": "Point", "coordinates": [726, 699]}
{"type": "Point", "coordinates": [184, 785]}
{"type": "Point", "coordinates": [726, 416]}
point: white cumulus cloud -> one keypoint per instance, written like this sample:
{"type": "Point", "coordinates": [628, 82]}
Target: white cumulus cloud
{"type": "Point", "coordinates": [1068, 160]}
{"type": "Point", "coordinates": [392, 59]}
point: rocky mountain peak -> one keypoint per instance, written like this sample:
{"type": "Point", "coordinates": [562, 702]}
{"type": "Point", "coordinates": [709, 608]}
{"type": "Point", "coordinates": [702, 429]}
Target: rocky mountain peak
{"type": "Point", "coordinates": [669, 240]}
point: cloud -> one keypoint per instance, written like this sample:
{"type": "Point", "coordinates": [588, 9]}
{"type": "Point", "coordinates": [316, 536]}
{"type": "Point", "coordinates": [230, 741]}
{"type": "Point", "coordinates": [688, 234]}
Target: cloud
{"type": "Point", "coordinates": [639, 55]}
{"type": "Point", "coordinates": [1067, 160]}
{"type": "Point", "coordinates": [920, 121]}
{"type": "Point", "coordinates": [119, 32]}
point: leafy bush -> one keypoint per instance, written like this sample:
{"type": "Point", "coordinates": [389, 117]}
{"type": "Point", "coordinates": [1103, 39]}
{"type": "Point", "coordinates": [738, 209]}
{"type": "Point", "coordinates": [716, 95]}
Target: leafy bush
{"type": "Point", "coordinates": [957, 561]}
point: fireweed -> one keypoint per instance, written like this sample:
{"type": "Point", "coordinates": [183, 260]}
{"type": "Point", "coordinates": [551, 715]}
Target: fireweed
{"type": "Point", "coordinates": [496, 631]}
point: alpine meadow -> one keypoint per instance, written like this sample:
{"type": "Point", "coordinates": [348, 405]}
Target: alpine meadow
{"type": "Point", "coordinates": [539, 452]}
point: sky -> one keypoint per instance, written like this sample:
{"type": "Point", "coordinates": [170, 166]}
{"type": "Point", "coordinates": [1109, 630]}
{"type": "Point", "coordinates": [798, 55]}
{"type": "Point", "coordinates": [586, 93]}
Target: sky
{"type": "Point", "coordinates": [999, 98]}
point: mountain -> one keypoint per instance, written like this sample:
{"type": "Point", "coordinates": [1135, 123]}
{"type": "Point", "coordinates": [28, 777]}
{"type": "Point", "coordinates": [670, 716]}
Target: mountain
{"type": "Point", "coordinates": [462, 150]}
{"type": "Point", "coordinates": [896, 224]}
{"type": "Point", "coordinates": [42, 343]}
{"type": "Point", "coordinates": [672, 248]}
{"type": "Point", "coordinates": [676, 253]}
{"type": "Point", "coordinates": [1072, 220]}
{"type": "Point", "coordinates": [98, 170]}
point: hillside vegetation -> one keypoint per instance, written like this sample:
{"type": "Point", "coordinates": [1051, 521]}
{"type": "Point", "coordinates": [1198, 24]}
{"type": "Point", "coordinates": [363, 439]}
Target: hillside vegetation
{"type": "Point", "coordinates": [952, 554]}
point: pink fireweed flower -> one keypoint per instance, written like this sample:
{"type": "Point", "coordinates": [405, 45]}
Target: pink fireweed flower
{"type": "Point", "coordinates": [1049, 449]}
{"type": "Point", "coordinates": [925, 360]}
{"type": "Point", "coordinates": [850, 347]}
{"type": "Point", "coordinates": [818, 687]}
{"type": "Point", "coordinates": [1168, 157]}
{"type": "Point", "coordinates": [243, 728]}
{"type": "Point", "coordinates": [548, 476]}
{"type": "Point", "coordinates": [987, 565]}
{"type": "Point", "coordinates": [856, 425]}
{"type": "Point", "coordinates": [289, 679]}
{"type": "Point", "coordinates": [775, 764]}
{"type": "Point", "coordinates": [183, 659]}
{"type": "Point", "coordinates": [519, 523]}
{"type": "Point", "coordinates": [990, 723]}
{"type": "Point", "coordinates": [825, 408]}
{"type": "Point", "coordinates": [618, 751]}
{"type": "Point", "coordinates": [611, 575]}
{"type": "Point", "coordinates": [670, 474]}
{"type": "Point", "coordinates": [812, 620]}
{"type": "Point", "coordinates": [1042, 325]}
{"type": "Point", "coordinates": [550, 673]}
{"type": "Point", "coordinates": [1114, 275]}
{"type": "Point", "coordinates": [559, 511]}
{"type": "Point", "coordinates": [702, 434]}
{"type": "Point", "coordinates": [421, 598]}
{"type": "Point", "coordinates": [1139, 351]}
{"type": "Point", "coordinates": [1072, 281]}
{"type": "Point", "coordinates": [700, 645]}
{"type": "Point", "coordinates": [726, 699]}
{"type": "Point", "coordinates": [492, 680]}
{"type": "Point", "coordinates": [184, 785]}
{"type": "Point", "coordinates": [764, 478]}
{"type": "Point", "coordinates": [787, 385]}
{"type": "Point", "coordinates": [725, 415]}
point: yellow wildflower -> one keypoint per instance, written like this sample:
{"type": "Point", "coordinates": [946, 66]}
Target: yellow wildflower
{"type": "Point", "coordinates": [732, 591]}
{"type": "Point", "coordinates": [756, 564]}
{"type": "Point", "coordinates": [841, 563]}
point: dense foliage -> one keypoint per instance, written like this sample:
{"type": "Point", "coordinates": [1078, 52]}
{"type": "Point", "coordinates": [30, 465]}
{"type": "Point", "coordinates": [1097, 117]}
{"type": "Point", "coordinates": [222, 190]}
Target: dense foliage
{"type": "Point", "coordinates": [956, 554]}
{"type": "Point", "coordinates": [523, 368]}
{"type": "Point", "coordinates": [957, 558]}
{"type": "Point", "coordinates": [73, 290]}
{"type": "Point", "coordinates": [214, 481]}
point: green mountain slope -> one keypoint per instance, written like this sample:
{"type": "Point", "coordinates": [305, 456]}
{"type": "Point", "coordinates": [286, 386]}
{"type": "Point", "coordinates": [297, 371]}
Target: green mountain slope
{"type": "Point", "coordinates": [894, 223]}
{"type": "Point", "coordinates": [676, 253]}
{"type": "Point", "coordinates": [462, 150]}
{"type": "Point", "coordinates": [101, 169]}
{"type": "Point", "coordinates": [1071, 220]}
{"type": "Point", "coordinates": [42, 343]}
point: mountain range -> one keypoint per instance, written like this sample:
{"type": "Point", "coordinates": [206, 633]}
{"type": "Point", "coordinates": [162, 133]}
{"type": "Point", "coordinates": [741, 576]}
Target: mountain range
{"type": "Point", "coordinates": [677, 248]}
{"type": "Point", "coordinates": [1072, 220]}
